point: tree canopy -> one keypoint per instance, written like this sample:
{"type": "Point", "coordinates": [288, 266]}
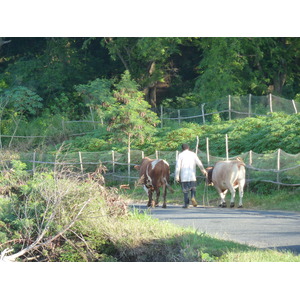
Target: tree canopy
{"type": "Point", "coordinates": [173, 70]}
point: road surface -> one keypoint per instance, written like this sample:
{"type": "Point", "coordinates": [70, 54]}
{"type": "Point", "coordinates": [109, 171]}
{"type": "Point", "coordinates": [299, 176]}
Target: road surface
{"type": "Point", "coordinates": [262, 229]}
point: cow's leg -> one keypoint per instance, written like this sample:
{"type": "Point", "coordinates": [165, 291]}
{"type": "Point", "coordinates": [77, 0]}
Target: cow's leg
{"type": "Point", "coordinates": [164, 187]}
{"type": "Point", "coordinates": [145, 189]}
{"type": "Point", "coordinates": [222, 195]}
{"type": "Point", "coordinates": [232, 191]}
{"type": "Point", "coordinates": [150, 200]}
{"type": "Point", "coordinates": [157, 196]}
{"type": "Point", "coordinates": [241, 192]}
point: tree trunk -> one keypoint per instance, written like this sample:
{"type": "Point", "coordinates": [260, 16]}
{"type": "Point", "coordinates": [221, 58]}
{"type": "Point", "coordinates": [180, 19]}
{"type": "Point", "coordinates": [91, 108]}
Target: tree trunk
{"type": "Point", "coordinates": [150, 94]}
{"type": "Point", "coordinates": [279, 81]}
{"type": "Point", "coordinates": [150, 90]}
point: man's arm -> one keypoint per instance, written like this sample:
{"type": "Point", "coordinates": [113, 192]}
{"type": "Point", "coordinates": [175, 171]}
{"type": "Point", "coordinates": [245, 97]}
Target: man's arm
{"type": "Point", "coordinates": [200, 165]}
{"type": "Point", "coordinates": [177, 169]}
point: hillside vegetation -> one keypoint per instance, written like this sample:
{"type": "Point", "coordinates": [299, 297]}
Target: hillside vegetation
{"type": "Point", "coordinates": [259, 134]}
{"type": "Point", "coordinates": [56, 214]}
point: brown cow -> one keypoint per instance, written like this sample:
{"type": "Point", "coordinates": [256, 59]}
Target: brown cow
{"type": "Point", "coordinates": [228, 175]}
{"type": "Point", "coordinates": [154, 173]}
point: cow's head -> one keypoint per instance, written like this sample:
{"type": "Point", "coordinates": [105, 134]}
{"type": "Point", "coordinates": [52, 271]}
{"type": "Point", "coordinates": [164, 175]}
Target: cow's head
{"type": "Point", "coordinates": [209, 171]}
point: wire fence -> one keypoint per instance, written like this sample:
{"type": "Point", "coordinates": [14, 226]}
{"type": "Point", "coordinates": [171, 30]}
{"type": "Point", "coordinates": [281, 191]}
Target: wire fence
{"type": "Point", "coordinates": [279, 168]}
{"type": "Point", "coordinates": [227, 108]}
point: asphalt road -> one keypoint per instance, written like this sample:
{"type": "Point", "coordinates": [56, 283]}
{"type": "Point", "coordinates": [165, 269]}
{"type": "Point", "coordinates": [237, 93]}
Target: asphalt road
{"type": "Point", "coordinates": [262, 229]}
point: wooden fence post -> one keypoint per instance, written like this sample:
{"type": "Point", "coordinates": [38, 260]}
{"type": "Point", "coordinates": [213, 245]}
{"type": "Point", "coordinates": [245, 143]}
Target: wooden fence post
{"type": "Point", "coordinates": [278, 166]}
{"type": "Point", "coordinates": [229, 107]}
{"type": "Point", "coordinates": [271, 104]}
{"type": "Point", "coordinates": [207, 151]}
{"type": "Point", "coordinates": [226, 144]}
{"type": "Point", "coordinates": [113, 160]}
{"type": "Point", "coordinates": [179, 121]}
{"type": "Point", "coordinates": [80, 160]}
{"type": "Point", "coordinates": [197, 144]}
{"type": "Point", "coordinates": [203, 116]}
{"type": "Point", "coordinates": [128, 168]}
{"type": "Point", "coordinates": [249, 107]}
{"type": "Point", "coordinates": [248, 171]}
{"type": "Point", "coordinates": [294, 105]}
{"type": "Point", "coordinates": [33, 163]}
{"type": "Point", "coordinates": [156, 154]}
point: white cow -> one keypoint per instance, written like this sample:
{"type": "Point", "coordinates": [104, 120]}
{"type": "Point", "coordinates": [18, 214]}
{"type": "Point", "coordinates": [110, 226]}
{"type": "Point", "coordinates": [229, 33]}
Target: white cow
{"type": "Point", "coordinates": [228, 175]}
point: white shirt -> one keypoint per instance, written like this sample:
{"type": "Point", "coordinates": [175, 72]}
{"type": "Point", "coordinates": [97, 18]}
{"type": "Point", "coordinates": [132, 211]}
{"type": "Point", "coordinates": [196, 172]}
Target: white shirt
{"type": "Point", "coordinates": [186, 166]}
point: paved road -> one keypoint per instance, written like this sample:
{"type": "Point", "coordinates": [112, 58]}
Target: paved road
{"type": "Point", "coordinates": [263, 229]}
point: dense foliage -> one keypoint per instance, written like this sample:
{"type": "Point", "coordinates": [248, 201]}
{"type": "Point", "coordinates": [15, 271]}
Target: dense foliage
{"type": "Point", "coordinates": [260, 134]}
{"type": "Point", "coordinates": [117, 80]}
{"type": "Point", "coordinates": [199, 69]}
{"type": "Point", "coordinates": [117, 83]}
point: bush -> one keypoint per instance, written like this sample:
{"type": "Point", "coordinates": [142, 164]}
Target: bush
{"type": "Point", "coordinates": [260, 134]}
{"type": "Point", "coordinates": [44, 206]}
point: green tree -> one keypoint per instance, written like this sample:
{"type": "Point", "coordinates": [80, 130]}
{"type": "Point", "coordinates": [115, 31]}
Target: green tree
{"type": "Point", "coordinates": [277, 61]}
{"type": "Point", "coordinates": [147, 59]}
{"type": "Point", "coordinates": [49, 66]}
{"type": "Point", "coordinates": [221, 69]}
{"type": "Point", "coordinates": [130, 116]}
{"type": "Point", "coordinates": [22, 100]}
{"type": "Point", "coordinates": [97, 95]}
{"type": "Point", "coordinates": [239, 66]}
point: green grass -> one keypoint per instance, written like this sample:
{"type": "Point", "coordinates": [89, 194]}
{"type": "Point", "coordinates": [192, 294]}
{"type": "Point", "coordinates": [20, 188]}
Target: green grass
{"type": "Point", "coordinates": [186, 244]}
{"type": "Point", "coordinates": [107, 231]}
{"type": "Point", "coordinates": [139, 237]}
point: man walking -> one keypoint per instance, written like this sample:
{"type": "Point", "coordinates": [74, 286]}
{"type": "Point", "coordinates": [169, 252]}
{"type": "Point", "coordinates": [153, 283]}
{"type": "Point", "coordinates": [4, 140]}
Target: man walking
{"type": "Point", "coordinates": [186, 171]}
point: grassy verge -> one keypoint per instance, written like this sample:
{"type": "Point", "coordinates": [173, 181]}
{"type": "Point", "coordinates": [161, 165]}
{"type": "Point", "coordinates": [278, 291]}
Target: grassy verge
{"type": "Point", "coordinates": [105, 230]}
{"type": "Point", "coordinates": [140, 238]}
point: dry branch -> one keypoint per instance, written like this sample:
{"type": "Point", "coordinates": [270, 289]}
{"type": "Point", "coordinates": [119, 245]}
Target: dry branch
{"type": "Point", "coordinates": [38, 242]}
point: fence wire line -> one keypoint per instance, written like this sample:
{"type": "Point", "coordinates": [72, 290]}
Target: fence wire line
{"type": "Point", "coordinates": [226, 108]}
{"type": "Point", "coordinates": [279, 167]}
{"type": "Point", "coordinates": [231, 107]}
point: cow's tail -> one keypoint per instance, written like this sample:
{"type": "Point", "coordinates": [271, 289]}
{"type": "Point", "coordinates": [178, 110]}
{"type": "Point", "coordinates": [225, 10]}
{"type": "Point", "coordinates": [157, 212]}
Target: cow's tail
{"type": "Point", "coordinates": [168, 186]}
{"type": "Point", "coordinates": [240, 162]}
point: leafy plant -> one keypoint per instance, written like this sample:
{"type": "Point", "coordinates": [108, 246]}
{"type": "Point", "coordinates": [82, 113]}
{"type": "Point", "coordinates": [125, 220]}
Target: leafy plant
{"type": "Point", "coordinates": [23, 100]}
{"type": "Point", "coordinates": [130, 116]}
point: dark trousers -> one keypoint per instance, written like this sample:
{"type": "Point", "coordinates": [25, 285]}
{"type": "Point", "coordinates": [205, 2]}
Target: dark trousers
{"type": "Point", "coordinates": [189, 186]}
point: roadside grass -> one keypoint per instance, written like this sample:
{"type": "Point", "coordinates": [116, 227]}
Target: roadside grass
{"type": "Point", "coordinates": [138, 237]}
{"type": "Point", "coordinates": [163, 241]}
{"type": "Point", "coordinates": [268, 199]}
{"type": "Point", "coordinates": [107, 229]}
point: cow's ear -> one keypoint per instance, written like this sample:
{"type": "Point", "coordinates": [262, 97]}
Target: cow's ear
{"type": "Point", "coordinates": [137, 167]}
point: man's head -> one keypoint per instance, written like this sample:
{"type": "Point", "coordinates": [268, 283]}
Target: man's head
{"type": "Point", "coordinates": [185, 147]}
